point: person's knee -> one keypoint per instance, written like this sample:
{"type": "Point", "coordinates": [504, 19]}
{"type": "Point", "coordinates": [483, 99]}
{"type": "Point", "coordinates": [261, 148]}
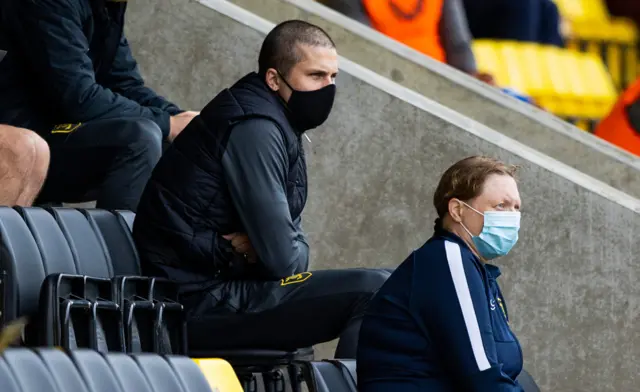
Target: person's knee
{"type": "Point", "coordinates": [25, 151]}
{"type": "Point", "coordinates": [370, 280]}
{"type": "Point", "coordinates": [144, 139]}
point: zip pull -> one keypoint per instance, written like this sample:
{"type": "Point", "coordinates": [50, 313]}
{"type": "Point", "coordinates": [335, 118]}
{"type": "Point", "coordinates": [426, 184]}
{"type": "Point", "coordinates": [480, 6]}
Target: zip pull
{"type": "Point", "coordinates": [307, 136]}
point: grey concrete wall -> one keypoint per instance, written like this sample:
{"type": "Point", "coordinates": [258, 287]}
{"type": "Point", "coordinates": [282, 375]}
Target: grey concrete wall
{"type": "Point", "coordinates": [462, 93]}
{"type": "Point", "coordinates": [571, 283]}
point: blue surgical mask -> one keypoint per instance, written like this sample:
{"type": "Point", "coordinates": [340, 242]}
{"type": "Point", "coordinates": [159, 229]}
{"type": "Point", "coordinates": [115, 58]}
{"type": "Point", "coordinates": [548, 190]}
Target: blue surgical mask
{"type": "Point", "coordinates": [499, 233]}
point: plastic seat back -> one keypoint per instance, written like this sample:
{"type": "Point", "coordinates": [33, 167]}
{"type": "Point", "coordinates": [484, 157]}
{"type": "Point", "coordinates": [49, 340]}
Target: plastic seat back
{"type": "Point", "coordinates": [29, 372]}
{"type": "Point", "coordinates": [116, 233]}
{"type": "Point", "coordinates": [62, 369]}
{"type": "Point", "coordinates": [89, 249]}
{"type": "Point", "coordinates": [7, 381]}
{"type": "Point", "coordinates": [329, 376]}
{"type": "Point", "coordinates": [95, 371]}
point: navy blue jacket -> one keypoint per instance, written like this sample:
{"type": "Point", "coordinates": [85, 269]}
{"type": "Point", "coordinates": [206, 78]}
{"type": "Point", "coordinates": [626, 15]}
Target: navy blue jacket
{"type": "Point", "coordinates": [439, 324]}
{"type": "Point", "coordinates": [68, 62]}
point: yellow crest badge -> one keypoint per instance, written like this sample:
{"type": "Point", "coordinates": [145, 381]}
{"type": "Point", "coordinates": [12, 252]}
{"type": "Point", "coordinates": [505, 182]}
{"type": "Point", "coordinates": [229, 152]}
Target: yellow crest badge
{"type": "Point", "coordinates": [65, 128]}
{"type": "Point", "coordinates": [293, 279]}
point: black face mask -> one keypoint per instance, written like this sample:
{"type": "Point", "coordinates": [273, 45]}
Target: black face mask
{"type": "Point", "coordinates": [309, 109]}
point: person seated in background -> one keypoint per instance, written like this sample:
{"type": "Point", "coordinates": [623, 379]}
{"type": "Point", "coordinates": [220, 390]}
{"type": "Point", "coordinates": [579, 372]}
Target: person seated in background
{"type": "Point", "coordinates": [69, 75]}
{"type": "Point", "coordinates": [221, 215]}
{"type": "Point", "coordinates": [523, 20]}
{"type": "Point", "coordinates": [440, 322]}
{"type": "Point", "coordinates": [437, 28]}
{"type": "Point", "coordinates": [24, 160]}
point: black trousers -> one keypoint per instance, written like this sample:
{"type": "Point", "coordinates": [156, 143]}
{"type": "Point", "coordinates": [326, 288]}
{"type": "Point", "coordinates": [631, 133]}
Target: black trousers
{"type": "Point", "coordinates": [105, 160]}
{"type": "Point", "coordinates": [292, 313]}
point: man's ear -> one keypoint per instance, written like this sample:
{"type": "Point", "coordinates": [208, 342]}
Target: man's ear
{"type": "Point", "coordinates": [272, 79]}
{"type": "Point", "coordinates": [455, 210]}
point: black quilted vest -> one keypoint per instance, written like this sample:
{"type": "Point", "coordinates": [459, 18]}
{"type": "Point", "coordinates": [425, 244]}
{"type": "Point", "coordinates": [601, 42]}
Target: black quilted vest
{"type": "Point", "coordinates": [186, 205]}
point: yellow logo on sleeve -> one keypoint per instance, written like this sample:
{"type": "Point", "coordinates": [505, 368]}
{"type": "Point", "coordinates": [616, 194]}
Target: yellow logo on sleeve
{"type": "Point", "coordinates": [293, 279]}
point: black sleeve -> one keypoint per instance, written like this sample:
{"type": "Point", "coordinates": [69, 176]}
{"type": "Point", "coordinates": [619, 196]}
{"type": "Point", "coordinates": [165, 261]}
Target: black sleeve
{"type": "Point", "coordinates": [456, 37]}
{"type": "Point", "coordinates": [124, 78]}
{"type": "Point", "coordinates": [255, 164]}
{"type": "Point", "coordinates": [52, 30]}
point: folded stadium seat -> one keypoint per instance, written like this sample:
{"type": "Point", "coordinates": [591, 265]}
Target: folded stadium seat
{"type": "Point", "coordinates": [31, 375]}
{"type": "Point", "coordinates": [127, 216]}
{"type": "Point", "coordinates": [7, 381]}
{"type": "Point", "coordinates": [331, 376]}
{"type": "Point", "coordinates": [78, 306]}
{"type": "Point", "coordinates": [61, 368]}
{"type": "Point", "coordinates": [115, 229]}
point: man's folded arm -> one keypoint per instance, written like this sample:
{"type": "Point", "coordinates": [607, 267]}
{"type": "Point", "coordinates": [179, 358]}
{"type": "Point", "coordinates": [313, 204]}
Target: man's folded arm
{"type": "Point", "coordinates": [255, 164]}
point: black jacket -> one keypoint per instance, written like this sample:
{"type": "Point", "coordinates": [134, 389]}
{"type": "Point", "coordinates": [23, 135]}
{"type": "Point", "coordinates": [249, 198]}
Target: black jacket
{"type": "Point", "coordinates": [238, 167]}
{"type": "Point", "coordinates": [69, 62]}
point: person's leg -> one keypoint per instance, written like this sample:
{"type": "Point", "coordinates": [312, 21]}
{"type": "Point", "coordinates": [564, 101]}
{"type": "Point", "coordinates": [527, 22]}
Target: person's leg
{"type": "Point", "coordinates": [283, 315]}
{"type": "Point", "coordinates": [110, 159]}
{"type": "Point", "coordinates": [24, 160]}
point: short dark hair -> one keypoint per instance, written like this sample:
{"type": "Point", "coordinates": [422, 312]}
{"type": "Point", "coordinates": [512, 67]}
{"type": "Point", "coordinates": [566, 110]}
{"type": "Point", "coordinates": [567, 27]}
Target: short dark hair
{"type": "Point", "coordinates": [280, 47]}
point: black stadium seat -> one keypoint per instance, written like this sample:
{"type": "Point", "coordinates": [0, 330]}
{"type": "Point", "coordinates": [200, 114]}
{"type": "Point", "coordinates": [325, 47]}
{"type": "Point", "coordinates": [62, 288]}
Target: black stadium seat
{"type": "Point", "coordinates": [62, 369]}
{"type": "Point", "coordinates": [7, 382]}
{"type": "Point", "coordinates": [120, 245]}
{"type": "Point", "coordinates": [126, 371]}
{"type": "Point", "coordinates": [86, 242]}
{"type": "Point", "coordinates": [29, 372]}
{"type": "Point", "coordinates": [37, 245]}
{"type": "Point", "coordinates": [51, 370]}
{"type": "Point", "coordinates": [331, 376]}
{"type": "Point", "coordinates": [190, 376]}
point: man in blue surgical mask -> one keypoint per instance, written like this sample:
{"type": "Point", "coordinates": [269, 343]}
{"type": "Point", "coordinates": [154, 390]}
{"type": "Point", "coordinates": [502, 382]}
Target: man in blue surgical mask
{"type": "Point", "coordinates": [440, 322]}
{"type": "Point", "coordinates": [221, 215]}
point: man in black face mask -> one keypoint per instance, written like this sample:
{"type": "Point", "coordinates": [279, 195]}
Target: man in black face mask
{"type": "Point", "coordinates": [221, 215]}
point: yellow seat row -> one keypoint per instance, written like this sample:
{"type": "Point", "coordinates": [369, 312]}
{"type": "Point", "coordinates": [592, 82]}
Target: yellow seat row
{"type": "Point", "coordinates": [567, 83]}
{"type": "Point", "coordinates": [592, 29]}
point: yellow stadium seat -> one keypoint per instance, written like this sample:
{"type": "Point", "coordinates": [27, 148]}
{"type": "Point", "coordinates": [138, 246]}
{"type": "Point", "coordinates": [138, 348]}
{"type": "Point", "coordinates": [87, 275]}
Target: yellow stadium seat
{"type": "Point", "coordinates": [570, 84]}
{"type": "Point", "coordinates": [571, 9]}
{"type": "Point", "coordinates": [594, 30]}
{"type": "Point", "coordinates": [602, 92]}
{"type": "Point", "coordinates": [219, 374]}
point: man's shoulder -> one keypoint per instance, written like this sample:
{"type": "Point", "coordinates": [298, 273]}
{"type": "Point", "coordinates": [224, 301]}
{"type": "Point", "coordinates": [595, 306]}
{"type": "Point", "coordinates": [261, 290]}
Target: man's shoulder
{"type": "Point", "coordinates": [256, 139]}
{"type": "Point", "coordinates": [258, 128]}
